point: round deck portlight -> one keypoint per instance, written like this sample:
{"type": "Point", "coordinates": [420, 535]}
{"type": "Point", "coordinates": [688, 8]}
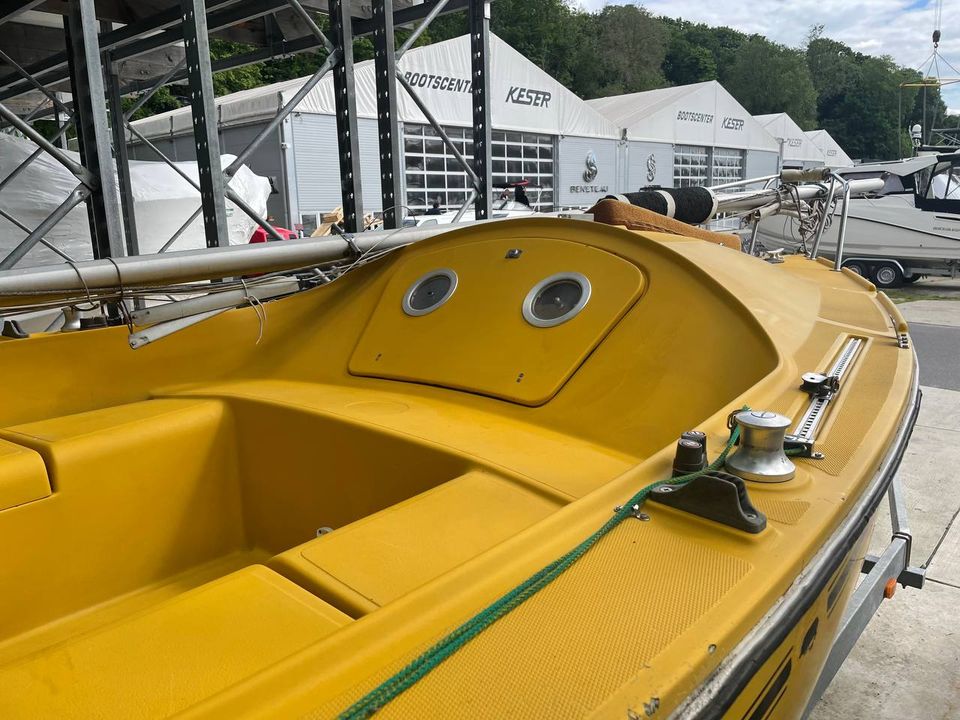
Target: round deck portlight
{"type": "Point", "coordinates": [556, 299]}
{"type": "Point", "coordinates": [429, 292]}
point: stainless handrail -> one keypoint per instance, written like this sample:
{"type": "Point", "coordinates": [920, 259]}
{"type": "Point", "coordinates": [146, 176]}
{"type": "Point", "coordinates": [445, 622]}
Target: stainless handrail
{"type": "Point", "coordinates": [815, 250]}
{"type": "Point", "coordinates": [842, 231]}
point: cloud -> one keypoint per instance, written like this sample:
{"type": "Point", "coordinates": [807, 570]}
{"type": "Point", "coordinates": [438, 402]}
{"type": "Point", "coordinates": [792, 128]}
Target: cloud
{"type": "Point", "coordinates": [901, 29]}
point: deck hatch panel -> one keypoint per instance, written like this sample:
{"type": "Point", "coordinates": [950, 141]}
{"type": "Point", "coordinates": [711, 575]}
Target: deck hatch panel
{"type": "Point", "coordinates": [478, 340]}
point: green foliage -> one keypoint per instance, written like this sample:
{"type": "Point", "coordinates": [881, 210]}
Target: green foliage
{"type": "Point", "coordinates": [699, 52]}
{"type": "Point", "coordinates": [861, 103]}
{"type": "Point", "coordinates": [628, 51]}
{"type": "Point", "coordinates": [241, 78]}
{"type": "Point", "coordinates": [769, 78]}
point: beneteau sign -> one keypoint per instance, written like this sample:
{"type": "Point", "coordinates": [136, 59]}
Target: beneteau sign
{"type": "Point", "coordinates": [590, 172]}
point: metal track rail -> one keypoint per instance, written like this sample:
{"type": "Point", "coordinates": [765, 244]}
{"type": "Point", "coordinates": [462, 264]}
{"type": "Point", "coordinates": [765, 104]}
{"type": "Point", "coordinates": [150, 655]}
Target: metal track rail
{"type": "Point", "coordinates": [712, 699]}
{"type": "Point", "coordinates": [806, 427]}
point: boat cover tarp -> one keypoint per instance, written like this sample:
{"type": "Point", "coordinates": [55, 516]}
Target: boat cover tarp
{"type": "Point", "coordinates": [798, 147]}
{"type": "Point", "coordinates": [901, 168]}
{"type": "Point", "coordinates": [524, 97]}
{"type": "Point", "coordinates": [163, 201]}
{"type": "Point", "coordinates": [699, 114]}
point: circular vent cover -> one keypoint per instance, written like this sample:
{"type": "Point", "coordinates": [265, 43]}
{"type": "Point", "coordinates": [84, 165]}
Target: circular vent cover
{"type": "Point", "coordinates": [556, 299]}
{"type": "Point", "coordinates": [429, 292]}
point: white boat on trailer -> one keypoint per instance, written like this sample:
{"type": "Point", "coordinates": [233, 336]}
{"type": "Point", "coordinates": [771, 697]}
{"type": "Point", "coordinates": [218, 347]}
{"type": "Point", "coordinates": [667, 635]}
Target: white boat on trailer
{"type": "Point", "coordinates": [908, 230]}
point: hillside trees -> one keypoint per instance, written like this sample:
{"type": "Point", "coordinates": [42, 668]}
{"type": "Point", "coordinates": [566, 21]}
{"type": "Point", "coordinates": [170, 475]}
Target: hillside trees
{"type": "Point", "coordinates": [769, 78]}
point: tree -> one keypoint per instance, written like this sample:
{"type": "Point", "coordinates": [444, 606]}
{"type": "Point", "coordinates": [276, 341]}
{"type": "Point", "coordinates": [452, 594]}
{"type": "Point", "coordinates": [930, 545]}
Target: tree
{"type": "Point", "coordinates": [629, 49]}
{"type": "Point", "coordinates": [770, 78]}
{"type": "Point", "coordinates": [687, 63]}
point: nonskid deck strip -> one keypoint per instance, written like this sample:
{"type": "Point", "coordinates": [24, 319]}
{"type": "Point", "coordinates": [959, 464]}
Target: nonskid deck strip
{"type": "Point", "coordinates": [421, 666]}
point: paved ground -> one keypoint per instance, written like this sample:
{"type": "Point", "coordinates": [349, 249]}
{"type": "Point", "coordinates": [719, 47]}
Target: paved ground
{"type": "Point", "coordinates": [938, 350]}
{"type": "Point", "coordinates": [907, 662]}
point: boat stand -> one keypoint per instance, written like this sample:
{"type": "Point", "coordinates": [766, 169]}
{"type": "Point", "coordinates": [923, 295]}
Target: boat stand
{"type": "Point", "coordinates": [882, 575]}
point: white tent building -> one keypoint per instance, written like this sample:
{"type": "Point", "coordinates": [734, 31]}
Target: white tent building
{"type": "Point", "coordinates": [798, 150]}
{"type": "Point", "coordinates": [689, 135]}
{"type": "Point", "coordinates": [833, 154]}
{"type": "Point", "coordinates": [542, 132]}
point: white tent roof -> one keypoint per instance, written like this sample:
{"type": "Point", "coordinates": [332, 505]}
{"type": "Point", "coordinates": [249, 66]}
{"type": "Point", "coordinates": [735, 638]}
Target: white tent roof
{"type": "Point", "coordinates": [524, 97]}
{"type": "Point", "coordinates": [833, 153]}
{"type": "Point", "coordinates": [797, 146]}
{"type": "Point", "coordinates": [699, 114]}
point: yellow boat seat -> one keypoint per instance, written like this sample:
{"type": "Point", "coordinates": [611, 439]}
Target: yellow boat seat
{"type": "Point", "coordinates": [23, 477]}
{"type": "Point", "coordinates": [379, 558]}
{"type": "Point", "coordinates": [164, 660]}
{"type": "Point", "coordinates": [141, 492]}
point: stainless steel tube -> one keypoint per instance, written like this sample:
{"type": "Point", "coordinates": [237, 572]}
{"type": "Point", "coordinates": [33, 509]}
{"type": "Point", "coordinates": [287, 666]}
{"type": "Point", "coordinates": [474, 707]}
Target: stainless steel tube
{"type": "Point", "coordinates": [751, 249]}
{"type": "Point", "coordinates": [26, 286]}
{"type": "Point", "coordinates": [815, 250]}
{"type": "Point", "coordinates": [842, 231]}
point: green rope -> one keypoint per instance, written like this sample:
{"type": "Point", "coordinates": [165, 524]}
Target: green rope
{"type": "Point", "coordinates": [431, 658]}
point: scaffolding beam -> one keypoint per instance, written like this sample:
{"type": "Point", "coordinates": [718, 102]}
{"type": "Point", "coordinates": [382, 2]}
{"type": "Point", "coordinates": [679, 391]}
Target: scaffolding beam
{"type": "Point", "coordinates": [206, 140]}
{"type": "Point", "coordinates": [92, 62]}
{"type": "Point", "coordinates": [385, 70]}
{"type": "Point", "coordinates": [93, 129]}
{"type": "Point", "coordinates": [117, 127]}
{"type": "Point", "coordinates": [345, 97]}
{"type": "Point", "coordinates": [479, 23]}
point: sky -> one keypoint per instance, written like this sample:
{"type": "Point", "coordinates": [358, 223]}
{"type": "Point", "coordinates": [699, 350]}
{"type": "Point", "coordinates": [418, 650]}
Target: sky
{"type": "Point", "coordinates": [899, 28]}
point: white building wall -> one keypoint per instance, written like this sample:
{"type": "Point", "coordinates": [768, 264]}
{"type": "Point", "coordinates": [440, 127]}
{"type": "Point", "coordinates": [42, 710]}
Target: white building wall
{"type": "Point", "coordinates": [575, 186]}
{"type": "Point", "coordinates": [649, 164]}
{"type": "Point", "coordinates": [761, 163]}
{"type": "Point", "coordinates": [317, 167]}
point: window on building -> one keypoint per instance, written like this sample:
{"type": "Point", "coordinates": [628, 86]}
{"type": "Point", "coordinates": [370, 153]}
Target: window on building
{"type": "Point", "coordinates": [525, 156]}
{"type": "Point", "coordinates": [727, 166]}
{"type": "Point", "coordinates": [434, 175]}
{"type": "Point", "coordinates": [697, 165]}
{"type": "Point", "coordinates": [691, 165]}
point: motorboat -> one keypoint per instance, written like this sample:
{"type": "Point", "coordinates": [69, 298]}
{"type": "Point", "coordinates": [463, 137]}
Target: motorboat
{"type": "Point", "coordinates": [908, 230]}
{"type": "Point", "coordinates": [533, 467]}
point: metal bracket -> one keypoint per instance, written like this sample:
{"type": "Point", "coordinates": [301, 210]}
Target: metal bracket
{"type": "Point", "coordinates": [910, 576]}
{"type": "Point", "coordinates": [349, 240]}
{"type": "Point", "coordinates": [894, 563]}
{"type": "Point", "coordinates": [796, 446]}
{"type": "Point", "coordinates": [774, 257]}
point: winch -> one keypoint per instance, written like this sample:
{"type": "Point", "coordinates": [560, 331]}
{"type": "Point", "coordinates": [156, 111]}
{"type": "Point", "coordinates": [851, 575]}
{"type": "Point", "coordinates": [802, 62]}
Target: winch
{"type": "Point", "coordinates": [761, 455]}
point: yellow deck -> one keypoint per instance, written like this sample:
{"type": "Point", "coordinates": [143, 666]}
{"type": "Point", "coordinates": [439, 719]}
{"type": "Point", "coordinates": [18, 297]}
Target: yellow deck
{"type": "Point", "coordinates": [159, 509]}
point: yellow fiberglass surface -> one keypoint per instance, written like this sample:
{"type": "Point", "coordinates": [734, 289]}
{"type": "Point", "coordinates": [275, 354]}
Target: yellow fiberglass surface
{"type": "Point", "coordinates": [215, 527]}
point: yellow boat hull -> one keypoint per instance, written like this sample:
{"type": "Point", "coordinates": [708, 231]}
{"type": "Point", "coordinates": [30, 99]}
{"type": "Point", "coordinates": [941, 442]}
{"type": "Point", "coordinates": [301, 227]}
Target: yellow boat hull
{"type": "Point", "coordinates": [165, 512]}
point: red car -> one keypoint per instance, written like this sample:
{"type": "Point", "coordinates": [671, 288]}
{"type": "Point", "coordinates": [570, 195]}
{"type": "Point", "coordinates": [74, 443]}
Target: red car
{"type": "Point", "coordinates": [260, 235]}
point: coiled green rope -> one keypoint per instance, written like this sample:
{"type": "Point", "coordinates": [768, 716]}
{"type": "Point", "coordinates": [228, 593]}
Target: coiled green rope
{"type": "Point", "coordinates": [408, 676]}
